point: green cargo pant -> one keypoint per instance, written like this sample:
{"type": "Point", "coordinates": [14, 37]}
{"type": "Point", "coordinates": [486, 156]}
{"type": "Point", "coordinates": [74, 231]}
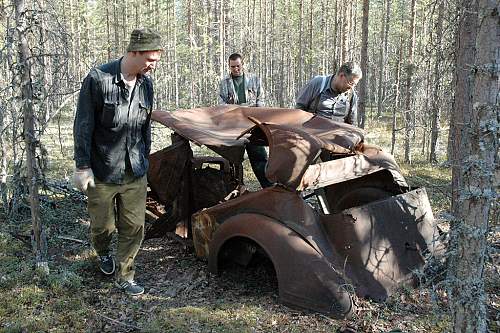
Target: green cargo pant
{"type": "Point", "coordinates": [120, 206]}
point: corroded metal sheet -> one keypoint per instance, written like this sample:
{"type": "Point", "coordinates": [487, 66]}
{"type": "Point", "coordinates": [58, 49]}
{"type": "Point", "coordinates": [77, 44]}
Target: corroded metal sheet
{"type": "Point", "coordinates": [306, 278]}
{"type": "Point", "coordinates": [292, 151]}
{"type": "Point", "coordinates": [166, 168]}
{"type": "Point", "coordinates": [374, 248]}
{"type": "Point", "coordinates": [366, 161]}
{"type": "Point", "coordinates": [222, 125]}
{"type": "Point", "coordinates": [290, 233]}
{"type": "Point", "coordinates": [383, 242]}
{"type": "Point", "coordinates": [295, 137]}
{"type": "Point", "coordinates": [276, 202]}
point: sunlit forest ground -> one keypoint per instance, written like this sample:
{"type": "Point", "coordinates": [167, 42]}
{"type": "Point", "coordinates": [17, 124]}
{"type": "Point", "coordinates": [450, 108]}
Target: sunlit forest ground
{"type": "Point", "coordinates": [181, 296]}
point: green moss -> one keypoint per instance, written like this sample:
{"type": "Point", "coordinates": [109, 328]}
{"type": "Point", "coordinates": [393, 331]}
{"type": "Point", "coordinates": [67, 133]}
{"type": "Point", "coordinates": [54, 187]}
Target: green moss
{"type": "Point", "coordinates": [227, 318]}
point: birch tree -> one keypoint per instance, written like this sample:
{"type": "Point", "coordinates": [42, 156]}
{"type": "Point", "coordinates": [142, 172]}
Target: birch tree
{"type": "Point", "coordinates": [39, 241]}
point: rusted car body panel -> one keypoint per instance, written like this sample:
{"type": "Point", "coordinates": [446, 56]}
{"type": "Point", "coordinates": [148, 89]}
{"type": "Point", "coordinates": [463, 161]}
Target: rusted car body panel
{"type": "Point", "coordinates": [306, 277]}
{"type": "Point", "coordinates": [219, 128]}
{"type": "Point", "coordinates": [367, 235]}
{"type": "Point", "coordinates": [340, 170]}
{"type": "Point", "coordinates": [381, 253]}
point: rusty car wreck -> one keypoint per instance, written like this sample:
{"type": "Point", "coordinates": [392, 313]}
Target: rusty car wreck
{"type": "Point", "coordinates": [339, 221]}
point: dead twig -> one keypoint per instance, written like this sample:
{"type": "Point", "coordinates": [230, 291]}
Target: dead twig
{"type": "Point", "coordinates": [25, 239]}
{"type": "Point", "coordinates": [118, 322]}
{"type": "Point", "coordinates": [72, 239]}
{"type": "Point", "coordinates": [327, 318]}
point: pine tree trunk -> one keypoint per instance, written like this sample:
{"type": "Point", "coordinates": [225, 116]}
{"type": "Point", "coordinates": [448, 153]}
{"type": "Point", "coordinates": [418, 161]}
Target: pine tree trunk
{"type": "Point", "coordinates": [384, 34]}
{"type": "Point", "coordinates": [192, 93]}
{"type": "Point", "coordinates": [466, 52]}
{"type": "Point", "coordinates": [397, 98]}
{"type": "Point", "coordinates": [300, 56]}
{"type": "Point", "coordinates": [409, 74]}
{"type": "Point", "coordinates": [436, 103]}
{"type": "Point", "coordinates": [3, 161]}
{"type": "Point", "coordinates": [478, 156]}
{"type": "Point", "coordinates": [344, 34]}
{"type": "Point", "coordinates": [116, 29]}
{"type": "Point", "coordinates": [176, 67]}
{"type": "Point", "coordinates": [364, 65]}
{"type": "Point", "coordinates": [310, 55]}
{"type": "Point", "coordinates": [222, 61]}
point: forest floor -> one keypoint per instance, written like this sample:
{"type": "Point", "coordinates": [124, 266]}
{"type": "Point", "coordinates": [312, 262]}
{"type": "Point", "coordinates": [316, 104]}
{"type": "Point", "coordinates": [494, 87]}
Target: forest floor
{"type": "Point", "coordinates": [181, 296]}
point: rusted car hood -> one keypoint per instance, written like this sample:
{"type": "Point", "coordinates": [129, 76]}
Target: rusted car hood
{"type": "Point", "coordinates": [220, 126]}
{"type": "Point", "coordinates": [295, 138]}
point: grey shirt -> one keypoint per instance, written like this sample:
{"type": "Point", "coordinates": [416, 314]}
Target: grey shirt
{"type": "Point", "coordinates": [254, 92]}
{"type": "Point", "coordinates": [328, 103]}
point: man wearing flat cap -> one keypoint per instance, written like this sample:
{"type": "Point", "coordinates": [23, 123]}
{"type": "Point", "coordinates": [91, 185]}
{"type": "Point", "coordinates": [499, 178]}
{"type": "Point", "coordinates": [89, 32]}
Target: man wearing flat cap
{"type": "Point", "coordinates": [112, 140]}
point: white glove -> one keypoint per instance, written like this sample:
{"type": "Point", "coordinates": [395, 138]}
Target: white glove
{"type": "Point", "coordinates": [83, 178]}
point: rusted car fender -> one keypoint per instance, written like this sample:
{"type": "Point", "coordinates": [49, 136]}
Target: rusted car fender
{"type": "Point", "coordinates": [305, 278]}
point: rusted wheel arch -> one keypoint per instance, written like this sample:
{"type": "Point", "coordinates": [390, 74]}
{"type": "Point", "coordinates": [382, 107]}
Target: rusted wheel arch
{"type": "Point", "coordinates": [360, 196]}
{"type": "Point", "coordinates": [305, 278]}
{"type": "Point", "coordinates": [371, 187]}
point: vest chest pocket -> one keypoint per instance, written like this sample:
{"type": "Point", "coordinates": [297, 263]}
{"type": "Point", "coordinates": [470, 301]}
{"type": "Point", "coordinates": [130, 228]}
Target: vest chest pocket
{"type": "Point", "coordinates": [109, 117]}
{"type": "Point", "coordinates": [144, 113]}
{"type": "Point", "coordinates": [252, 96]}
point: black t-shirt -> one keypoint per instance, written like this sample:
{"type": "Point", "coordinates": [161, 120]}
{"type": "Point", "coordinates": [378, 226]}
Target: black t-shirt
{"type": "Point", "coordinates": [239, 87]}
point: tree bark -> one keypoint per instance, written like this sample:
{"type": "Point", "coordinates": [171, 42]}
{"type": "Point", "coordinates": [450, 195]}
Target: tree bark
{"type": "Point", "coordinates": [176, 67]}
{"type": "Point", "coordinates": [384, 34]}
{"type": "Point", "coordinates": [409, 74]}
{"type": "Point", "coordinates": [466, 52]}
{"type": "Point", "coordinates": [3, 161]}
{"type": "Point", "coordinates": [397, 102]}
{"type": "Point", "coordinates": [344, 34]}
{"type": "Point", "coordinates": [38, 236]}
{"type": "Point", "coordinates": [116, 29]}
{"type": "Point", "coordinates": [192, 93]}
{"type": "Point", "coordinates": [300, 56]}
{"type": "Point", "coordinates": [478, 155]}
{"type": "Point", "coordinates": [436, 103]}
{"type": "Point", "coordinates": [364, 65]}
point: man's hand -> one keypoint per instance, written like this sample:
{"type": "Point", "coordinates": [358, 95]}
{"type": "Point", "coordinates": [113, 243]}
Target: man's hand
{"type": "Point", "coordinates": [83, 178]}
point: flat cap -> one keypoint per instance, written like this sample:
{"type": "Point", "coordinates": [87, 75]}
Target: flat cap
{"type": "Point", "coordinates": [144, 40]}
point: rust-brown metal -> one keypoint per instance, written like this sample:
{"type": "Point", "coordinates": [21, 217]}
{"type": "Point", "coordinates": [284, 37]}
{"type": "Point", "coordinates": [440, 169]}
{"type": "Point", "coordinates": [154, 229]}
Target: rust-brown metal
{"type": "Point", "coordinates": [166, 168]}
{"type": "Point", "coordinates": [369, 250]}
{"type": "Point", "coordinates": [383, 242]}
{"type": "Point", "coordinates": [219, 128]}
{"type": "Point", "coordinates": [288, 230]}
{"type": "Point", "coordinates": [365, 234]}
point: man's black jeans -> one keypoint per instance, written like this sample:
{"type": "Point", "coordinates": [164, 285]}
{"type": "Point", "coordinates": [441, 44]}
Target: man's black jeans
{"type": "Point", "coordinates": [258, 160]}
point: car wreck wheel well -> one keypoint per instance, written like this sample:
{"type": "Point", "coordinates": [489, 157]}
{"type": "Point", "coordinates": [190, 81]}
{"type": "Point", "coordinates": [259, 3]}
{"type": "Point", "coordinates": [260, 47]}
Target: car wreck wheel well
{"type": "Point", "coordinates": [304, 277]}
{"type": "Point", "coordinates": [360, 196]}
{"type": "Point", "coordinates": [243, 251]}
{"type": "Point", "coordinates": [360, 191]}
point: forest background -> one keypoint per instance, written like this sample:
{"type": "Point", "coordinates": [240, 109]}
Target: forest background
{"type": "Point", "coordinates": [416, 57]}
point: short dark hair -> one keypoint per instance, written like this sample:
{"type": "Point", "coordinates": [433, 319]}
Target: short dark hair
{"type": "Point", "coordinates": [235, 56]}
{"type": "Point", "coordinates": [351, 69]}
